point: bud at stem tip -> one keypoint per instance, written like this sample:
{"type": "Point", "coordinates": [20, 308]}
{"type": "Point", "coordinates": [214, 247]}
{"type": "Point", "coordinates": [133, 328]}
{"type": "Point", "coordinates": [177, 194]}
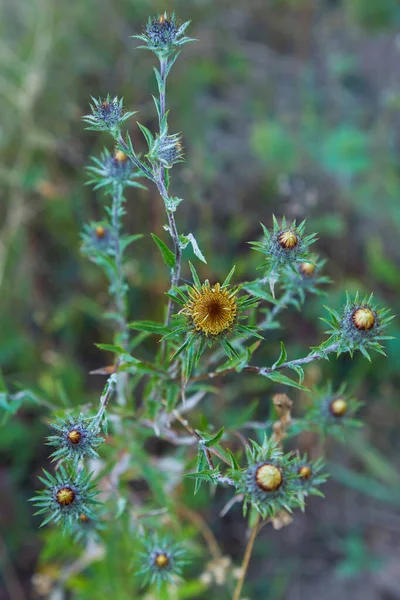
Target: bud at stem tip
{"type": "Point", "coordinates": [363, 319]}
{"type": "Point", "coordinates": [65, 496]}
{"type": "Point", "coordinates": [268, 477]}
{"type": "Point", "coordinates": [161, 560]}
{"type": "Point", "coordinates": [338, 407]}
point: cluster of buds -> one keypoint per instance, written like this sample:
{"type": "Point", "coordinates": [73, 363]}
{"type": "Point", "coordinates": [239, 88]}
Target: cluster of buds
{"type": "Point", "coordinates": [285, 247]}
{"type": "Point", "coordinates": [359, 327]}
{"type": "Point", "coordinates": [66, 497]}
{"type": "Point", "coordinates": [164, 36]}
{"type": "Point", "coordinates": [161, 561]}
{"type": "Point", "coordinates": [270, 483]}
{"type": "Point", "coordinates": [107, 115]}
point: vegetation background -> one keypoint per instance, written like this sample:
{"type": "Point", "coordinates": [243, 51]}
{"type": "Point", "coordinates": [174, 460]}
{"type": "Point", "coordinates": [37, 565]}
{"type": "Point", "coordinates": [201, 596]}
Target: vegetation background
{"type": "Point", "coordinates": [287, 106]}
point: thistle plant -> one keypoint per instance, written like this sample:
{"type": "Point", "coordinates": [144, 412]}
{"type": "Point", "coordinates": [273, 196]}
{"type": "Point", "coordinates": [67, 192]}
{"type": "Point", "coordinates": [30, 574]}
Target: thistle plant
{"type": "Point", "coordinates": [66, 497]}
{"type": "Point", "coordinates": [209, 330]}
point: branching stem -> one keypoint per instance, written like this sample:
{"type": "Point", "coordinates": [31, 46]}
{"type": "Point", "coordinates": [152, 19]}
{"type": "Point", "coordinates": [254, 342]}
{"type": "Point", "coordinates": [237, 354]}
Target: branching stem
{"type": "Point", "coordinates": [265, 370]}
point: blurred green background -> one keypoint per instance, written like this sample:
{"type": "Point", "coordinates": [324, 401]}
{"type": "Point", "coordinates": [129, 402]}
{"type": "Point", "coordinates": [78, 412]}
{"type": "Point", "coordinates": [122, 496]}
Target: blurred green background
{"type": "Point", "coordinates": [287, 107]}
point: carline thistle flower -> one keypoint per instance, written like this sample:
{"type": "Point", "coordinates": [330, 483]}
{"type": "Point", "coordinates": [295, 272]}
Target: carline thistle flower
{"type": "Point", "coordinates": [163, 35]}
{"type": "Point", "coordinates": [212, 309]}
{"type": "Point", "coordinates": [285, 247]}
{"type": "Point", "coordinates": [113, 169]}
{"type": "Point", "coordinates": [310, 476]}
{"type": "Point", "coordinates": [359, 327]}
{"type": "Point", "coordinates": [167, 150]}
{"type": "Point", "coordinates": [75, 438]}
{"type": "Point", "coordinates": [66, 496]}
{"type": "Point", "coordinates": [213, 313]}
{"type": "Point", "coordinates": [164, 149]}
{"type": "Point", "coordinates": [333, 412]}
{"type": "Point", "coordinates": [161, 561]}
{"type": "Point", "coordinates": [98, 237]}
{"type": "Point", "coordinates": [107, 115]}
{"type": "Point", "coordinates": [269, 481]}
{"type": "Point", "coordinates": [309, 282]}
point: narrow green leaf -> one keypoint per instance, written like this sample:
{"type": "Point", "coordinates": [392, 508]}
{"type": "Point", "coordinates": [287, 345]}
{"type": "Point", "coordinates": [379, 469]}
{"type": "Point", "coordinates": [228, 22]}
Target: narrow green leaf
{"type": "Point", "coordinates": [234, 463]}
{"type": "Point", "coordinates": [282, 358]}
{"type": "Point", "coordinates": [167, 254]}
{"type": "Point", "coordinates": [150, 327]}
{"type": "Point", "coordinates": [111, 348]}
{"type": "Point", "coordinates": [196, 279]}
{"type": "Point", "coordinates": [215, 439]}
{"type": "Point", "coordinates": [280, 378]}
{"type": "Point", "coordinates": [147, 134]}
{"type": "Point", "coordinates": [228, 279]}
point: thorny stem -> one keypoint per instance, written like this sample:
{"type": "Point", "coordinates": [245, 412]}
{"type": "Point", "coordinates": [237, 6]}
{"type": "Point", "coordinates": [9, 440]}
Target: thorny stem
{"type": "Point", "coordinates": [160, 182]}
{"type": "Point", "coordinates": [133, 158]}
{"type": "Point", "coordinates": [106, 396]}
{"type": "Point", "coordinates": [163, 73]}
{"type": "Point", "coordinates": [207, 451]}
{"type": "Point", "coordinates": [119, 287]}
{"type": "Point", "coordinates": [265, 370]}
{"type": "Point", "coordinates": [246, 559]}
{"type": "Point", "coordinates": [277, 308]}
{"type": "Point", "coordinates": [177, 247]}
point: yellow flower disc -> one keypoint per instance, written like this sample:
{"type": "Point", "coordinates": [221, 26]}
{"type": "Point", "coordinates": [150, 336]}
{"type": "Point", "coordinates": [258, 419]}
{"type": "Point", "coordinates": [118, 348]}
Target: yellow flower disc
{"type": "Point", "coordinates": [65, 496]}
{"type": "Point", "coordinates": [212, 309]}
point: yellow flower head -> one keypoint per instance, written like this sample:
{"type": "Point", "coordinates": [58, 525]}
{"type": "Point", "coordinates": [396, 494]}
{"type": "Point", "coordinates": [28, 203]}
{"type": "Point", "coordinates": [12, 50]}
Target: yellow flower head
{"type": "Point", "coordinates": [212, 309]}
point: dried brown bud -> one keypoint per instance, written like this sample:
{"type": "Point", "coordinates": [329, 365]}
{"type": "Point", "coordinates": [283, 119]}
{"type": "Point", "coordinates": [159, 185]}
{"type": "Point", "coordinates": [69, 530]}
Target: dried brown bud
{"type": "Point", "coordinates": [65, 496]}
{"type": "Point", "coordinates": [305, 472]}
{"type": "Point", "coordinates": [161, 560]}
{"type": "Point", "coordinates": [307, 269]}
{"type": "Point", "coordinates": [281, 519]}
{"type": "Point", "coordinates": [363, 319]}
{"type": "Point", "coordinates": [74, 436]}
{"type": "Point", "coordinates": [288, 239]}
{"type": "Point", "coordinates": [268, 477]}
{"type": "Point", "coordinates": [282, 403]}
{"type": "Point", "coordinates": [338, 407]}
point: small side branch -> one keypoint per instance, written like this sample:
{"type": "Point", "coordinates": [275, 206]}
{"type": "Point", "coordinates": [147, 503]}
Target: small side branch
{"type": "Point", "coordinates": [320, 354]}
